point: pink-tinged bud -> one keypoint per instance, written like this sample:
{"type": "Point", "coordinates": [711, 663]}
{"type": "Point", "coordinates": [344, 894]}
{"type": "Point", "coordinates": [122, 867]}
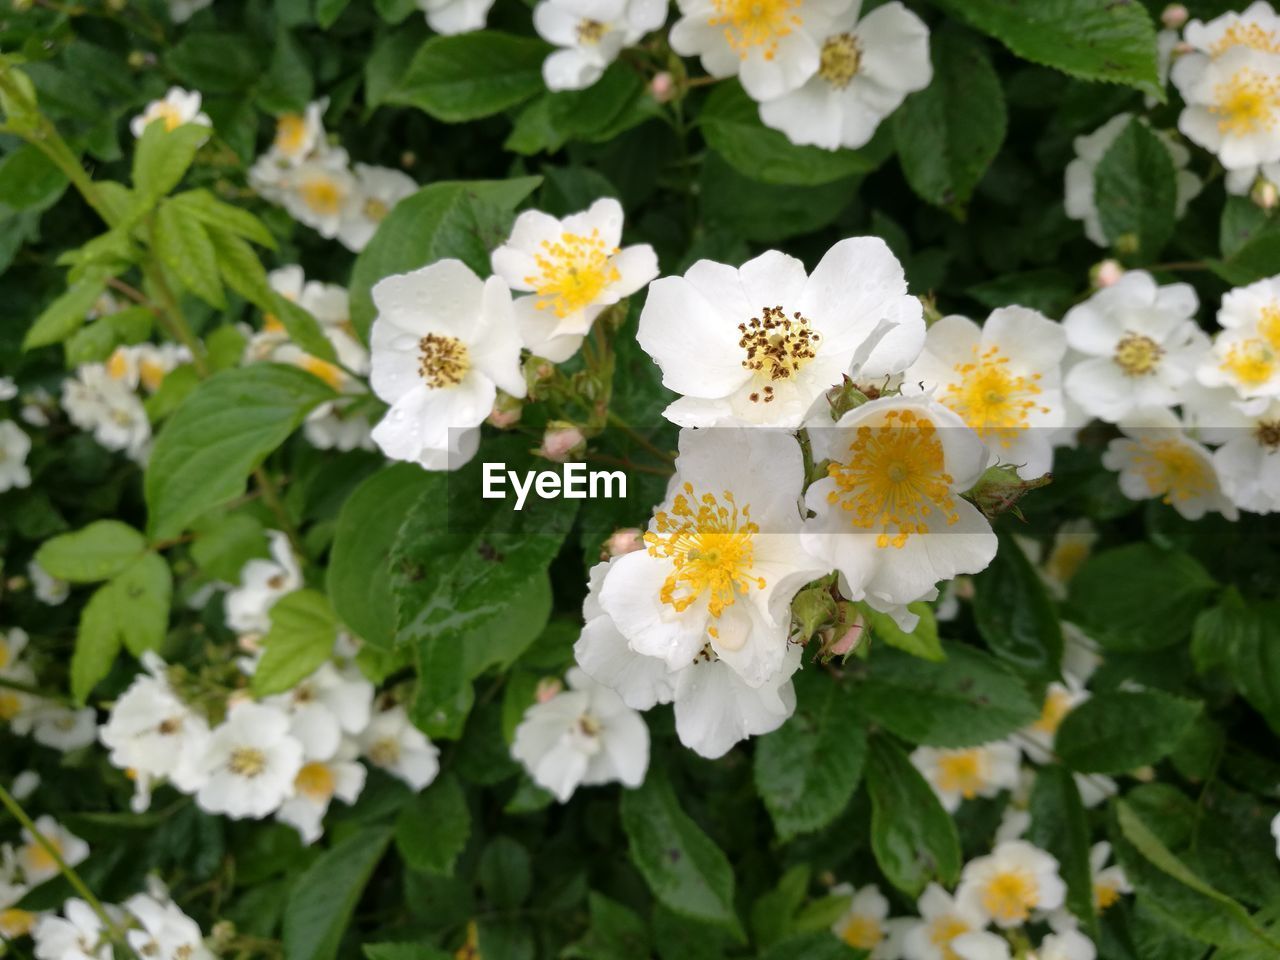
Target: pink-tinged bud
{"type": "Point", "coordinates": [1107, 273]}
{"type": "Point", "coordinates": [845, 644]}
{"type": "Point", "coordinates": [1265, 194]}
{"type": "Point", "coordinates": [506, 411]}
{"type": "Point", "coordinates": [548, 689]}
{"type": "Point", "coordinates": [662, 87]}
{"type": "Point", "coordinates": [626, 540]}
{"type": "Point", "coordinates": [561, 442]}
{"type": "Point", "coordinates": [1174, 16]}
{"type": "Point", "coordinates": [249, 643]}
{"type": "Point", "coordinates": [962, 588]}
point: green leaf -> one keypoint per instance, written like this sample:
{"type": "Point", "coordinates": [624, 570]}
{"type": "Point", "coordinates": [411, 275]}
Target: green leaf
{"type": "Point", "coordinates": [225, 543]}
{"type": "Point", "coordinates": [812, 946]}
{"type": "Point", "coordinates": [806, 772]}
{"type": "Point", "coordinates": [1015, 615]}
{"type": "Point", "coordinates": [964, 701]}
{"type": "Point", "coordinates": [29, 180]}
{"type": "Point", "coordinates": [287, 85]}
{"type": "Point", "coordinates": [432, 828]}
{"type": "Point", "coordinates": [462, 219]}
{"type": "Point", "coordinates": [1254, 260]}
{"type": "Point", "coordinates": [921, 642]}
{"type": "Point", "coordinates": [1138, 598]}
{"type": "Point", "coordinates": [220, 434]}
{"type": "Point", "coordinates": [1118, 731]}
{"type": "Point", "coordinates": [204, 206]}
{"type": "Point", "coordinates": [1114, 42]}
{"type": "Point", "coordinates": [684, 868]}
{"type": "Point", "coordinates": [96, 552]}
{"type": "Point", "coordinates": [914, 840]}
{"type": "Point", "coordinates": [403, 951]}
{"type": "Point", "coordinates": [327, 14]}
{"type": "Point", "coordinates": [303, 631]}
{"type": "Point", "coordinates": [1135, 185]}
{"type": "Point", "coordinates": [730, 120]}
{"type": "Point", "coordinates": [615, 933]}
{"type": "Point", "coordinates": [95, 342]}
{"type": "Point", "coordinates": [358, 578]}
{"type": "Point", "coordinates": [163, 156]}
{"type": "Point", "coordinates": [1060, 826]}
{"type": "Point", "coordinates": [324, 897]}
{"type": "Point", "coordinates": [303, 328]}
{"type": "Point", "coordinates": [472, 75]}
{"type": "Point", "coordinates": [505, 873]}
{"type": "Point", "coordinates": [948, 134]}
{"type": "Point", "coordinates": [768, 213]}
{"type": "Point", "coordinates": [97, 644]}
{"type": "Point", "coordinates": [183, 245]}
{"type": "Point", "coordinates": [66, 314]}
{"type": "Point", "coordinates": [132, 609]}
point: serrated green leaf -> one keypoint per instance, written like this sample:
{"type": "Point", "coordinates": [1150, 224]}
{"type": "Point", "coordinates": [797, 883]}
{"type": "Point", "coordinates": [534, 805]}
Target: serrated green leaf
{"type": "Point", "coordinates": [65, 315]}
{"type": "Point", "coordinates": [29, 180]}
{"type": "Point", "coordinates": [132, 609]}
{"type": "Point", "coordinates": [324, 897]}
{"type": "Point", "coordinates": [1060, 826]}
{"type": "Point", "coordinates": [921, 642]}
{"type": "Point", "coordinates": [1135, 187]}
{"type": "Point", "coordinates": [301, 638]}
{"type": "Point", "coordinates": [183, 245]}
{"type": "Point", "coordinates": [95, 342]}
{"type": "Point", "coordinates": [96, 552]}
{"type": "Point", "coordinates": [1015, 615]}
{"type": "Point", "coordinates": [1119, 731]}
{"type": "Point", "coordinates": [163, 157]}
{"type": "Point", "coordinates": [472, 75]}
{"type": "Point", "coordinates": [212, 212]}
{"type": "Point", "coordinates": [432, 828]}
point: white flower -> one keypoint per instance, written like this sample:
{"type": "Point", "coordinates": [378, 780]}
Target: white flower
{"type": "Point", "coordinates": [763, 343]}
{"type": "Point", "coordinates": [1248, 462]}
{"type": "Point", "coordinates": [316, 191]}
{"type": "Point", "coordinates": [317, 783]}
{"type": "Point", "coordinates": [1275, 832]}
{"type": "Point", "coordinates": [97, 402]}
{"type": "Point", "coordinates": [585, 736]}
{"type": "Point", "coordinates": [397, 746]}
{"type": "Point", "coordinates": [889, 515]}
{"type": "Point", "coordinates": [1109, 882]}
{"type": "Point", "coordinates": [590, 33]}
{"type": "Point", "coordinates": [1091, 148]}
{"type": "Point", "coordinates": [981, 945]}
{"type": "Point", "coordinates": [771, 45]}
{"type": "Point", "coordinates": [80, 936]}
{"type": "Point", "coordinates": [1059, 700]}
{"type": "Point", "coordinates": [963, 774]}
{"type": "Point", "coordinates": [1246, 354]}
{"type": "Point", "coordinates": [14, 447]}
{"type": "Point", "coordinates": [167, 933]}
{"type": "Point", "coordinates": [573, 269]}
{"type": "Point", "coordinates": [455, 16]}
{"type": "Point", "coordinates": [377, 191]}
{"type": "Point", "coordinates": [178, 107]}
{"type": "Point", "coordinates": [866, 68]}
{"type": "Point", "coordinates": [1155, 458]}
{"type": "Point", "coordinates": [250, 763]}
{"type": "Point", "coordinates": [146, 364]}
{"type": "Point", "coordinates": [1233, 104]}
{"type": "Point", "coordinates": [1066, 945]}
{"type": "Point", "coordinates": [8, 389]}
{"type": "Point", "coordinates": [15, 706]}
{"type": "Point", "coordinates": [1014, 824]}
{"type": "Point", "coordinates": [326, 705]}
{"type": "Point", "coordinates": [1004, 379]}
{"type": "Point", "coordinates": [1142, 345]}
{"type": "Point", "coordinates": [48, 588]}
{"type": "Point", "coordinates": [942, 920]}
{"type": "Point", "coordinates": [299, 135]}
{"type": "Point", "coordinates": [1012, 881]}
{"type": "Point", "coordinates": [262, 583]}
{"type": "Point", "coordinates": [64, 729]}
{"type": "Point", "coordinates": [1080, 654]}
{"type": "Point", "coordinates": [37, 863]}
{"type": "Point", "coordinates": [444, 342]}
{"type": "Point", "coordinates": [24, 785]}
{"type": "Point", "coordinates": [865, 925]}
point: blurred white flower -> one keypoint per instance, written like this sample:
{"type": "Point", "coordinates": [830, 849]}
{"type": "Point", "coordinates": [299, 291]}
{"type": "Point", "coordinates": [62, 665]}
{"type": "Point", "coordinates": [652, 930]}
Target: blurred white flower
{"type": "Point", "coordinates": [392, 742]}
{"type": "Point", "coordinates": [1010, 883]}
{"type": "Point", "coordinates": [1109, 882]}
{"type": "Point", "coordinates": [37, 863]}
{"type": "Point", "coordinates": [48, 589]}
{"type": "Point", "coordinates": [1246, 353]}
{"type": "Point", "coordinates": [1059, 700]}
{"type": "Point", "coordinates": [76, 935]}
{"type": "Point", "coordinates": [167, 933]}
{"type": "Point", "coordinates": [14, 447]}
{"type": "Point", "coordinates": [455, 16]}
{"type": "Point", "coordinates": [316, 191]}
{"type": "Point", "coordinates": [325, 706]}
{"type": "Point", "coordinates": [590, 34]}
{"type": "Point", "coordinates": [8, 389]}
{"type": "Point", "coordinates": [64, 729]}
{"type": "Point", "coordinates": [980, 945]}
{"type": "Point", "coordinates": [317, 783]}
{"type": "Point", "coordinates": [109, 409]}
{"type": "Point", "coordinates": [377, 191]}
{"type": "Point", "coordinates": [865, 925]}
{"type": "Point", "coordinates": [250, 763]}
{"type": "Point", "coordinates": [942, 919]}
{"type": "Point", "coordinates": [965, 773]}
{"type": "Point", "coordinates": [178, 107]}
{"type": "Point", "coordinates": [262, 583]}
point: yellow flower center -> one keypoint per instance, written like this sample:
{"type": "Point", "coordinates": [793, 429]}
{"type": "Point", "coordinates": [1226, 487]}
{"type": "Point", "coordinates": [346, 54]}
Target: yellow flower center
{"type": "Point", "coordinates": [166, 113]}
{"type": "Point", "coordinates": [330, 373]}
{"type": "Point", "coordinates": [840, 61]}
{"type": "Point", "coordinates": [991, 399]}
{"type": "Point", "coordinates": [323, 194]}
{"type": "Point", "coordinates": [10, 705]}
{"type": "Point", "coordinates": [1057, 704]}
{"type": "Point", "coordinates": [1269, 325]}
{"type": "Point", "coordinates": [291, 134]}
{"type": "Point", "coordinates": [1246, 35]}
{"type": "Point", "coordinates": [1104, 895]}
{"type": "Point", "coordinates": [862, 933]}
{"type": "Point", "coordinates": [1138, 355]}
{"type": "Point", "coordinates": [756, 23]}
{"type": "Point", "coordinates": [590, 32]}
{"type": "Point", "coordinates": [118, 364]}
{"type": "Point", "coordinates": [894, 478]}
{"type": "Point", "coordinates": [316, 781]}
{"type": "Point", "coordinates": [943, 930]}
{"type": "Point", "coordinates": [385, 752]}
{"type": "Point", "coordinates": [151, 374]}
{"type": "Point", "coordinates": [961, 771]}
{"type": "Point", "coordinates": [1252, 362]}
{"type": "Point", "coordinates": [1172, 470]}
{"type": "Point", "coordinates": [15, 923]}
{"type": "Point", "coordinates": [709, 545]}
{"type": "Point", "coordinates": [247, 762]}
{"type": "Point", "coordinates": [574, 271]}
{"type": "Point", "coordinates": [442, 361]}
{"type": "Point", "coordinates": [1009, 896]}
{"type": "Point", "coordinates": [376, 210]}
{"type": "Point", "coordinates": [1247, 103]}
{"type": "Point", "coordinates": [39, 859]}
{"type": "Point", "coordinates": [777, 346]}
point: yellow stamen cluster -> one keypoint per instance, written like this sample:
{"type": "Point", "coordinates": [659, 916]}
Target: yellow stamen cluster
{"type": "Point", "coordinates": [315, 780]}
{"type": "Point", "coordinates": [840, 60]}
{"type": "Point", "coordinates": [945, 929]}
{"type": "Point", "coordinates": [376, 210]}
{"type": "Point", "coordinates": [167, 114]}
{"type": "Point", "coordinates": [323, 194]}
{"type": "Point", "coordinates": [1172, 470]}
{"type": "Point", "coordinates": [591, 32]}
{"type": "Point", "coordinates": [962, 771]}
{"type": "Point", "coordinates": [328, 372]}
{"type": "Point", "coordinates": [1246, 35]}
{"type": "Point", "coordinates": [573, 272]}
{"type": "Point", "coordinates": [894, 478]}
{"type": "Point", "coordinates": [291, 133]}
{"type": "Point", "coordinates": [1057, 704]}
{"type": "Point", "coordinates": [749, 24]}
{"type": "Point", "coordinates": [777, 346]}
{"type": "Point", "coordinates": [1247, 103]}
{"type": "Point", "coordinates": [996, 402]}
{"type": "Point", "coordinates": [708, 541]}
{"type": "Point", "coordinates": [385, 752]}
{"type": "Point", "coordinates": [1138, 355]}
{"type": "Point", "coordinates": [247, 762]}
{"type": "Point", "coordinates": [1104, 895]}
{"type": "Point", "coordinates": [862, 933]}
{"type": "Point", "coordinates": [1268, 434]}
{"type": "Point", "coordinates": [1252, 362]}
{"type": "Point", "coordinates": [1010, 896]}
{"type": "Point", "coordinates": [442, 361]}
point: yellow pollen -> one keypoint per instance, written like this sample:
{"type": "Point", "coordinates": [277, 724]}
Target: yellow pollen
{"type": "Point", "coordinates": [1009, 896]}
{"type": "Point", "coordinates": [291, 134]}
{"type": "Point", "coordinates": [376, 210]}
{"type": "Point", "coordinates": [1104, 895]}
{"type": "Point", "coordinates": [840, 61]}
{"type": "Point", "coordinates": [15, 923]}
{"type": "Point", "coordinates": [1246, 35]}
{"type": "Point", "coordinates": [323, 195]}
{"type": "Point", "coordinates": [247, 762]}
{"type": "Point", "coordinates": [1252, 362]}
{"type": "Point", "coordinates": [272, 324]}
{"type": "Point", "coordinates": [574, 271]}
{"type": "Point", "coordinates": [328, 372]}
{"type": "Point", "coordinates": [151, 374]}
{"type": "Point", "coordinates": [894, 478]}
{"type": "Point", "coordinates": [777, 346]}
{"type": "Point", "coordinates": [994, 401]}
{"type": "Point", "coordinates": [10, 705]}
{"type": "Point", "coordinates": [709, 545]}
{"type": "Point", "coordinates": [1138, 355]}
{"type": "Point", "coordinates": [40, 860]}
{"type": "Point", "coordinates": [862, 933]}
{"type": "Point", "coordinates": [1269, 325]}
{"type": "Point", "coordinates": [166, 113]}
{"type": "Point", "coordinates": [1172, 470]}
{"type": "Point", "coordinates": [961, 771]}
{"type": "Point", "coordinates": [945, 929]}
{"type": "Point", "coordinates": [1247, 103]}
{"type": "Point", "coordinates": [591, 32]}
{"type": "Point", "coordinates": [118, 364]}
{"type": "Point", "coordinates": [442, 361]}
{"type": "Point", "coordinates": [1057, 704]}
{"type": "Point", "coordinates": [756, 23]}
{"type": "Point", "coordinates": [1268, 434]}
{"type": "Point", "coordinates": [385, 752]}
{"type": "Point", "coordinates": [316, 781]}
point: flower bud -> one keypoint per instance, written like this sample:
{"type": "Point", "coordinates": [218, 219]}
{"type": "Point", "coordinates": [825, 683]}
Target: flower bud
{"type": "Point", "coordinates": [548, 689]}
{"type": "Point", "coordinates": [626, 540]}
{"type": "Point", "coordinates": [562, 441]}
{"type": "Point", "coordinates": [1106, 273]}
{"type": "Point", "coordinates": [249, 643]}
{"type": "Point", "coordinates": [846, 642]}
{"type": "Point", "coordinates": [663, 87]}
{"type": "Point", "coordinates": [1000, 489]}
{"type": "Point", "coordinates": [1174, 16]}
{"type": "Point", "coordinates": [962, 587]}
{"type": "Point", "coordinates": [1265, 194]}
{"type": "Point", "coordinates": [506, 411]}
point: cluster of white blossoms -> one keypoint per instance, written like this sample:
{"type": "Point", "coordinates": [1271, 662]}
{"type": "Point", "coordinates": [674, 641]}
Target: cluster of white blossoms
{"type": "Point", "coordinates": [317, 184]}
{"type": "Point", "coordinates": [26, 866]}
{"type": "Point", "coordinates": [823, 74]}
{"type": "Point", "coordinates": [589, 35]}
{"type": "Point", "coordinates": [445, 342]}
{"type": "Point", "coordinates": [48, 722]}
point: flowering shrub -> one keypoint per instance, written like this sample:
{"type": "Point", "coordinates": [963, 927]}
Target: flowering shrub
{"type": "Point", "coordinates": [774, 479]}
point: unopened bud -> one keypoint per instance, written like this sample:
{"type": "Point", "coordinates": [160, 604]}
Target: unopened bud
{"type": "Point", "coordinates": [506, 411]}
{"type": "Point", "coordinates": [1174, 16]}
{"type": "Point", "coordinates": [962, 588]}
{"type": "Point", "coordinates": [624, 541]}
{"type": "Point", "coordinates": [249, 643]}
{"type": "Point", "coordinates": [220, 937]}
{"type": "Point", "coordinates": [845, 397]}
{"type": "Point", "coordinates": [931, 312]}
{"type": "Point", "coordinates": [22, 6]}
{"type": "Point", "coordinates": [562, 441]}
{"type": "Point", "coordinates": [663, 87]}
{"type": "Point", "coordinates": [548, 689]}
{"type": "Point", "coordinates": [1000, 488]}
{"type": "Point", "coordinates": [137, 59]}
{"type": "Point", "coordinates": [1144, 774]}
{"type": "Point", "coordinates": [847, 642]}
{"type": "Point", "coordinates": [1106, 273]}
{"type": "Point", "coordinates": [1265, 194]}
{"type": "Point", "coordinates": [408, 159]}
{"type": "Point", "coordinates": [812, 608]}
